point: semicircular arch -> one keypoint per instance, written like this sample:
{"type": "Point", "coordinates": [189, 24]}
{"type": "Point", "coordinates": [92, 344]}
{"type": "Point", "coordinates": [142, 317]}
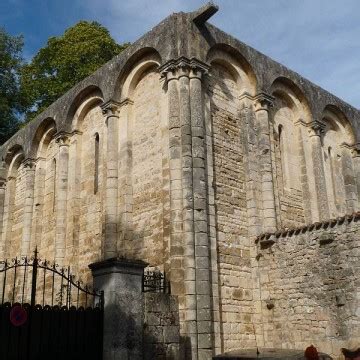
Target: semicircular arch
{"type": "Point", "coordinates": [140, 62]}
{"type": "Point", "coordinates": [236, 64]}
{"type": "Point", "coordinates": [286, 90]}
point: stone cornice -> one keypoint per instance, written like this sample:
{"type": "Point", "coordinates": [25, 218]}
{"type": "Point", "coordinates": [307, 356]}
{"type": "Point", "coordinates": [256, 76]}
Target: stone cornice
{"type": "Point", "coordinates": [327, 225]}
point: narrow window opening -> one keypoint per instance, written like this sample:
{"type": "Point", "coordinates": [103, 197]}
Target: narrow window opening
{"type": "Point", "coordinates": [54, 183]}
{"type": "Point", "coordinates": [282, 155]}
{"type": "Point", "coordinates": [332, 174]}
{"type": "Point", "coordinates": [96, 165]}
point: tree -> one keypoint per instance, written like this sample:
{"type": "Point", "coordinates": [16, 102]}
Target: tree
{"type": "Point", "coordinates": [65, 61]}
{"type": "Point", "coordinates": [10, 98]}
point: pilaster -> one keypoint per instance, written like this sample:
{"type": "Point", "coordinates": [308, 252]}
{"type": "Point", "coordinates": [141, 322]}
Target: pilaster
{"type": "Point", "coordinates": [263, 103]}
{"type": "Point", "coordinates": [2, 208]}
{"type": "Point", "coordinates": [29, 165]}
{"type": "Point", "coordinates": [125, 203]}
{"type": "Point", "coordinates": [316, 129]}
{"type": "Point", "coordinates": [356, 161]}
{"type": "Point", "coordinates": [351, 196]}
{"type": "Point", "coordinates": [62, 139]}
{"type": "Point", "coordinates": [190, 243]}
{"type": "Point", "coordinates": [110, 110]}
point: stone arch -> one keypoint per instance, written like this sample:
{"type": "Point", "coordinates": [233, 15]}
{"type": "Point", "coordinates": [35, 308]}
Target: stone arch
{"type": "Point", "coordinates": [235, 63]}
{"type": "Point", "coordinates": [88, 98]}
{"type": "Point", "coordinates": [43, 135]}
{"type": "Point", "coordinates": [291, 113]}
{"type": "Point", "coordinates": [294, 97]}
{"type": "Point", "coordinates": [338, 162]}
{"type": "Point", "coordinates": [13, 159]}
{"type": "Point", "coordinates": [337, 121]}
{"type": "Point", "coordinates": [133, 70]}
{"type": "Point", "coordinates": [13, 204]}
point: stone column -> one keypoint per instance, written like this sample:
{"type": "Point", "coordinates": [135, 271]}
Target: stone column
{"type": "Point", "coordinates": [176, 247]}
{"type": "Point", "coordinates": [253, 185]}
{"type": "Point", "coordinates": [110, 110]}
{"type": "Point", "coordinates": [310, 206]}
{"type": "Point", "coordinates": [263, 102]}
{"type": "Point", "coordinates": [37, 216]}
{"type": "Point", "coordinates": [316, 129]}
{"type": "Point", "coordinates": [2, 209]}
{"type": "Point", "coordinates": [190, 244]}
{"type": "Point", "coordinates": [201, 226]}
{"type": "Point", "coordinates": [125, 195]}
{"type": "Point", "coordinates": [8, 214]}
{"type": "Point", "coordinates": [356, 162]}
{"type": "Point", "coordinates": [62, 139]}
{"type": "Point", "coordinates": [29, 166]}
{"type": "Point", "coordinates": [74, 199]}
{"type": "Point", "coordinates": [121, 281]}
{"type": "Point", "coordinates": [348, 174]}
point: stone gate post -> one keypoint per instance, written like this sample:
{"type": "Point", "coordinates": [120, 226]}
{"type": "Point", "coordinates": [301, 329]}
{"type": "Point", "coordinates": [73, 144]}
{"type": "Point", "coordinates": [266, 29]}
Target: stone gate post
{"type": "Point", "coordinates": [121, 281]}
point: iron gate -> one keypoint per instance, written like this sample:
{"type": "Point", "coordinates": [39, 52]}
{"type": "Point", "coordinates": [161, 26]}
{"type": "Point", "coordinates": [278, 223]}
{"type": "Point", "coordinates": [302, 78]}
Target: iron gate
{"type": "Point", "coordinates": [46, 314]}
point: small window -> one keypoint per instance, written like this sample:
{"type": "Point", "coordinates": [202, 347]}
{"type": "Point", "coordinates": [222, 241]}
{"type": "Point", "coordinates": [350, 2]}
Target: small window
{"type": "Point", "coordinates": [96, 165]}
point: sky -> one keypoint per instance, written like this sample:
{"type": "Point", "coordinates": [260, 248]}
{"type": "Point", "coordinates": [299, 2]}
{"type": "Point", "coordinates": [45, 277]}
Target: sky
{"type": "Point", "coordinates": [319, 39]}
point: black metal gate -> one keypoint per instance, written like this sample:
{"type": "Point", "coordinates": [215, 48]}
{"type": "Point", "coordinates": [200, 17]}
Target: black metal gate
{"type": "Point", "coordinates": [46, 314]}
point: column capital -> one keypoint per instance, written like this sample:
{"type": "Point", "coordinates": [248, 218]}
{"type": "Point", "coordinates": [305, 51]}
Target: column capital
{"type": "Point", "coordinates": [263, 101]}
{"type": "Point", "coordinates": [110, 108]}
{"type": "Point", "coordinates": [355, 150]}
{"type": "Point", "coordinates": [183, 66]}
{"type": "Point", "coordinates": [316, 128]}
{"type": "Point", "coordinates": [29, 164]}
{"type": "Point", "coordinates": [62, 138]}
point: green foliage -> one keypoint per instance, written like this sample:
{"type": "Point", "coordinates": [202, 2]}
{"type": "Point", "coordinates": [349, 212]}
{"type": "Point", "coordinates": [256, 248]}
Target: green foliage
{"type": "Point", "coordinates": [10, 98]}
{"type": "Point", "coordinates": [65, 61]}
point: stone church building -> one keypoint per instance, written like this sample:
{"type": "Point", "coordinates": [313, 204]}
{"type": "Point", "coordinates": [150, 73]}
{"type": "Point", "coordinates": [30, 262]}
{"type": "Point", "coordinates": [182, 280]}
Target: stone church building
{"type": "Point", "coordinates": [207, 160]}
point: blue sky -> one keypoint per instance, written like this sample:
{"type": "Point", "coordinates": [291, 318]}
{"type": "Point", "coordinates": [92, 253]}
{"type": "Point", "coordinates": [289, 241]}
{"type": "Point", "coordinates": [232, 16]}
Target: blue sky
{"type": "Point", "coordinates": [320, 39]}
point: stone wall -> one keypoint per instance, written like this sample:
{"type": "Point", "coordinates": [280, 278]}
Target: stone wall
{"type": "Point", "coordinates": [147, 182]}
{"type": "Point", "coordinates": [309, 286]}
{"type": "Point", "coordinates": [161, 327]}
{"type": "Point", "coordinates": [231, 209]}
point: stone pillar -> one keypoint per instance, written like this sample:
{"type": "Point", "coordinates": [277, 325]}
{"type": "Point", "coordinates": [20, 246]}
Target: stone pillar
{"type": "Point", "coordinates": [110, 110]}
{"type": "Point", "coordinates": [263, 103]}
{"type": "Point", "coordinates": [29, 166]}
{"type": "Point", "coordinates": [356, 162]}
{"type": "Point", "coordinates": [74, 199]}
{"type": "Point", "coordinates": [37, 216]}
{"type": "Point", "coordinates": [201, 226]}
{"type": "Point", "coordinates": [125, 195]}
{"type": "Point", "coordinates": [253, 189]}
{"type": "Point", "coordinates": [121, 281]}
{"type": "Point", "coordinates": [62, 139]}
{"type": "Point", "coordinates": [348, 174]}
{"type": "Point", "coordinates": [8, 214]}
{"type": "Point", "coordinates": [309, 205]}
{"type": "Point", "coordinates": [190, 244]}
{"type": "Point", "coordinates": [2, 209]}
{"type": "Point", "coordinates": [316, 129]}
